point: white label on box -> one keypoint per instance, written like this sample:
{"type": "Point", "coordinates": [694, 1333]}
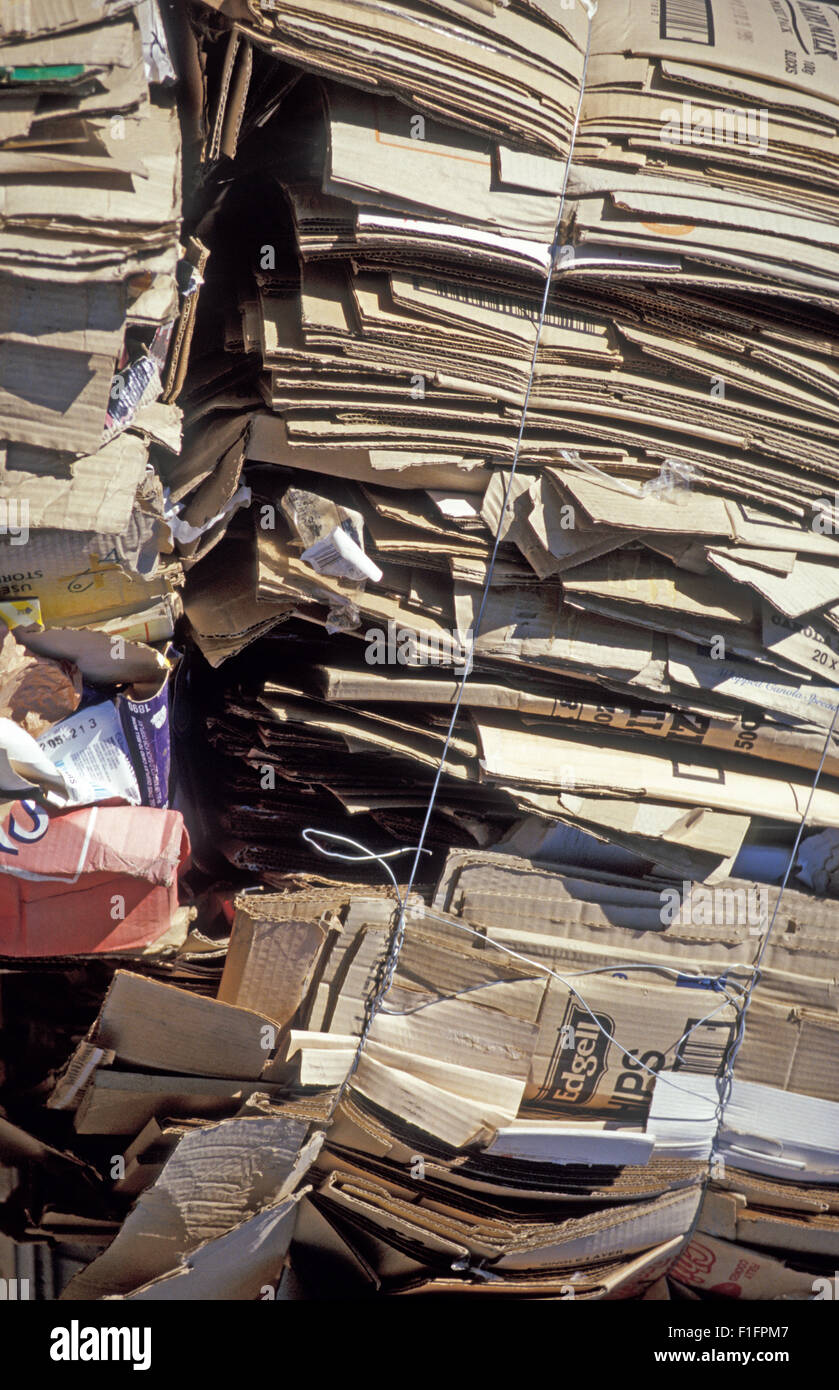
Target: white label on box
{"type": "Point", "coordinates": [89, 748]}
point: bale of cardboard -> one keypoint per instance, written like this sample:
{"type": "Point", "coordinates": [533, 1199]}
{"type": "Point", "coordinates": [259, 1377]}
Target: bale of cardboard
{"type": "Point", "coordinates": [491, 368]}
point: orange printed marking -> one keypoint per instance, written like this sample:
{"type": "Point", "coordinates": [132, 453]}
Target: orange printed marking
{"type": "Point", "coordinates": [404, 142]}
{"type": "Point", "coordinates": [670, 229]}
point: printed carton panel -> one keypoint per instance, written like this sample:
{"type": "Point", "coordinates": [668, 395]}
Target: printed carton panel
{"type": "Point", "coordinates": [731, 1270]}
{"type": "Point", "coordinates": [103, 878]}
{"type": "Point", "coordinates": [602, 1054]}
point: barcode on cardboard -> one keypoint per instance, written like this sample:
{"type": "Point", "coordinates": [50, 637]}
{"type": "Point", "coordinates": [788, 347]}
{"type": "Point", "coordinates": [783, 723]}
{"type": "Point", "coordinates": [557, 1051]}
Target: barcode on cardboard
{"type": "Point", "coordinates": [688, 21]}
{"type": "Point", "coordinates": [704, 1048]}
{"type": "Point", "coordinates": [80, 1068]}
{"type": "Point", "coordinates": [505, 304]}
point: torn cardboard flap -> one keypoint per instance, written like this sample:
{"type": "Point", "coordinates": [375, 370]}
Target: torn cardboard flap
{"type": "Point", "coordinates": [102, 659]}
{"type": "Point", "coordinates": [173, 1217]}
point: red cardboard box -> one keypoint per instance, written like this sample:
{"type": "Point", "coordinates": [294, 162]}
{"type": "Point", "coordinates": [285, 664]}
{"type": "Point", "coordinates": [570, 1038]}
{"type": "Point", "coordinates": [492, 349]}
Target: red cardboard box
{"type": "Point", "coordinates": [95, 879]}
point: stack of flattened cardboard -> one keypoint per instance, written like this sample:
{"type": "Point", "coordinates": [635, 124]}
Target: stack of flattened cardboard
{"type": "Point", "coordinates": [97, 299]}
{"type": "Point", "coordinates": [208, 1143]}
{"type": "Point", "coordinates": [514, 75]}
{"type": "Point", "coordinates": [708, 135]}
{"type": "Point", "coordinates": [571, 1069]}
{"type": "Point", "coordinates": [534, 1111]}
{"type": "Point", "coordinates": [638, 957]}
{"type": "Point", "coordinates": [442, 240]}
{"type": "Point", "coordinates": [767, 1226]}
{"type": "Point", "coordinates": [417, 1170]}
{"type": "Point", "coordinates": [691, 219]}
{"type": "Point", "coordinates": [668, 546]}
{"type": "Point", "coordinates": [632, 1011]}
